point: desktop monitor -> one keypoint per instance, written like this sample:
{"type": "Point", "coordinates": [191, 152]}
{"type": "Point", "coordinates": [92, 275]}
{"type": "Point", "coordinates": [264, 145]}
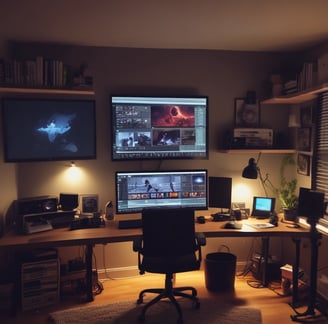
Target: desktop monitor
{"type": "Point", "coordinates": [219, 192]}
{"type": "Point", "coordinates": [311, 204]}
{"type": "Point", "coordinates": [159, 128]}
{"type": "Point", "coordinates": [263, 207]}
{"type": "Point", "coordinates": [138, 190]}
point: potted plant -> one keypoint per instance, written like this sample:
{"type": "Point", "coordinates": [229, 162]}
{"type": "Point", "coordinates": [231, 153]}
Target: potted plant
{"type": "Point", "coordinates": [286, 192]}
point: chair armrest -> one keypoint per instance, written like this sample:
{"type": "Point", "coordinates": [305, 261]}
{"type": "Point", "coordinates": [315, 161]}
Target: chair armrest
{"type": "Point", "coordinates": [200, 238]}
{"type": "Point", "coordinates": [137, 244]}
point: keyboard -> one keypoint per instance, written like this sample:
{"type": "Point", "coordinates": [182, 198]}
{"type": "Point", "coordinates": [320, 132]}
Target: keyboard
{"type": "Point", "coordinates": [87, 222]}
{"type": "Point", "coordinates": [219, 217]}
{"type": "Point", "coordinates": [129, 223]}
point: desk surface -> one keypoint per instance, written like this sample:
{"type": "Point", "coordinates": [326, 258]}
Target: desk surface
{"type": "Point", "coordinates": [110, 233]}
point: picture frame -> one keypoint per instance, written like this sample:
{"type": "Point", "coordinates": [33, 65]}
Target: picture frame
{"type": "Point", "coordinates": [306, 116]}
{"type": "Point", "coordinates": [89, 203]}
{"type": "Point", "coordinates": [303, 164]}
{"type": "Point", "coordinates": [246, 114]}
{"type": "Point", "coordinates": [304, 139]}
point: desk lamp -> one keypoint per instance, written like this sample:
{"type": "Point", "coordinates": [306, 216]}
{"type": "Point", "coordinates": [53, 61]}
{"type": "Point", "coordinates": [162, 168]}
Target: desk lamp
{"type": "Point", "coordinates": [252, 171]}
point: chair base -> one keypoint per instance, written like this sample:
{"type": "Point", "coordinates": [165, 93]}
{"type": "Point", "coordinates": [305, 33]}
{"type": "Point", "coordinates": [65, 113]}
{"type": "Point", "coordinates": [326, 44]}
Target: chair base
{"type": "Point", "coordinates": [170, 293]}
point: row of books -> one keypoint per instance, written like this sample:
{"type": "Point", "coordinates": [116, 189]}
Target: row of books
{"type": "Point", "coordinates": [40, 72]}
{"type": "Point", "coordinates": [305, 79]}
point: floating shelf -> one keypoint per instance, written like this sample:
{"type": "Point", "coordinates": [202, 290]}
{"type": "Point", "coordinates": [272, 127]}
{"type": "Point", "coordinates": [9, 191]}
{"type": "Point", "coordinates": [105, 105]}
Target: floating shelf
{"type": "Point", "coordinates": [46, 91]}
{"type": "Point", "coordinates": [265, 151]}
{"type": "Point", "coordinates": [299, 97]}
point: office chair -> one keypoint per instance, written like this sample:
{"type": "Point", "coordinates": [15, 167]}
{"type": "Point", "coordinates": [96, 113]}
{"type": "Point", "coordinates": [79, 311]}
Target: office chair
{"type": "Point", "coordinates": [168, 245]}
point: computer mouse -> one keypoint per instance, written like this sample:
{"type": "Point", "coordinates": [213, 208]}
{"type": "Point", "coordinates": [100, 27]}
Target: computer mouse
{"type": "Point", "coordinates": [233, 225]}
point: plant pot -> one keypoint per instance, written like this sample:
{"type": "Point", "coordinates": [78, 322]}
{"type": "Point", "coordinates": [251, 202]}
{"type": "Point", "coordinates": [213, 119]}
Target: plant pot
{"type": "Point", "coordinates": [290, 215]}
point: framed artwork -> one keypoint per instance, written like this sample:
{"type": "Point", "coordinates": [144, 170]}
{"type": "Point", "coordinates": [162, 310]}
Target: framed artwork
{"type": "Point", "coordinates": [306, 116]}
{"type": "Point", "coordinates": [89, 204]}
{"type": "Point", "coordinates": [246, 115]}
{"type": "Point", "coordinates": [303, 164]}
{"type": "Point", "coordinates": [304, 139]}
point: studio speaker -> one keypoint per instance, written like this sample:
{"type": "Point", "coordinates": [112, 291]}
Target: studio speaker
{"type": "Point", "coordinates": [68, 201]}
{"type": "Point", "coordinates": [219, 192]}
{"type": "Point", "coordinates": [311, 203]}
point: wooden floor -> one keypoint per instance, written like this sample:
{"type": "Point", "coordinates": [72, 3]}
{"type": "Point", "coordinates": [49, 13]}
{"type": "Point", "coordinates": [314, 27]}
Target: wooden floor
{"type": "Point", "coordinates": [274, 307]}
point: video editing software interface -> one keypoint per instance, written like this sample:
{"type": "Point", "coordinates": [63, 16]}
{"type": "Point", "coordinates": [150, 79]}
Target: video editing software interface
{"type": "Point", "coordinates": [138, 190]}
{"type": "Point", "coordinates": [159, 127]}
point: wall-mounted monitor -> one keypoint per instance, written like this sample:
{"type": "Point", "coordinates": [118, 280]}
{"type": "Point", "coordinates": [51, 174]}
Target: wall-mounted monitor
{"type": "Point", "coordinates": [159, 128]}
{"type": "Point", "coordinates": [48, 130]}
{"type": "Point", "coordinates": [175, 189]}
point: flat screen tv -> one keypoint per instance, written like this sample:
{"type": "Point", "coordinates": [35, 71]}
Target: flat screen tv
{"type": "Point", "coordinates": [165, 189]}
{"type": "Point", "coordinates": [159, 128]}
{"type": "Point", "coordinates": [48, 130]}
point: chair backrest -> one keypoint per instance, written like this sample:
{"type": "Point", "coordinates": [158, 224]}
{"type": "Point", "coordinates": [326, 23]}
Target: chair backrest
{"type": "Point", "coordinates": [168, 232]}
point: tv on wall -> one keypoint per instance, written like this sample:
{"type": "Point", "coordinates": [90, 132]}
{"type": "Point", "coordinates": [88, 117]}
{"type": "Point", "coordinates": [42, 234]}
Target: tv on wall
{"type": "Point", "coordinates": [159, 127]}
{"type": "Point", "coordinates": [48, 130]}
{"type": "Point", "coordinates": [163, 189]}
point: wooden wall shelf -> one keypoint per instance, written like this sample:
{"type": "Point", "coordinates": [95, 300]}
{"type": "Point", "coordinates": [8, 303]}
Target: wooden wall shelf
{"type": "Point", "coordinates": [264, 151]}
{"type": "Point", "coordinates": [46, 91]}
{"type": "Point", "coordinates": [299, 97]}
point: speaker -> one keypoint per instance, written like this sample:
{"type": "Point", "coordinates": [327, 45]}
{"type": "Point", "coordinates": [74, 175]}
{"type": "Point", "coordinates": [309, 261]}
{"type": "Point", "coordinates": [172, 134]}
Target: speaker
{"type": "Point", "coordinates": [68, 201]}
{"type": "Point", "coordinates": [311, 203]}
{"type": "Point", "coordinates": [219, 192]}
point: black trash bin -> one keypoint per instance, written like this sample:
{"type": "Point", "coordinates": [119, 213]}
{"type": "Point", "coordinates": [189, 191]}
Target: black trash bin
{"type": "Point", "coordinates": [220, 271]}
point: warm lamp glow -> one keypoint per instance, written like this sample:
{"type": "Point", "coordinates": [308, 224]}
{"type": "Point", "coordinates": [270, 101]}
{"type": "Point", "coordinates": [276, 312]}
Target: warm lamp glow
{"type": "Point", "coordinates": [240, 191]}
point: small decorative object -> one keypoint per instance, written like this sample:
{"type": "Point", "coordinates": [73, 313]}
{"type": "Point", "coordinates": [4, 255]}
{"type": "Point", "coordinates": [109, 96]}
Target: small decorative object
{"type": "Point", "coordinates": [303, 164]}
{"type": "Point", "coordinates": [246, 112]}
{"type": "Point", "coordinates": [89, 204]}
{"type": "Point", "coordinates": [304, 139]}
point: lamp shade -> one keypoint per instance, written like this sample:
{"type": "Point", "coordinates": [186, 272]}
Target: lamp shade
{"type": "Point", "coordinates": [251, 171]}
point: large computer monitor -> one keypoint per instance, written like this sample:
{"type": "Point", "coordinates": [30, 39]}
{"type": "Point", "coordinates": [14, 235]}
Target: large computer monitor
{"type": "Point", "coordinates": [152, 127]}
{"type": "Point", "coordinates": [263, 207]}
{"type": "Point", "coordinates": [164, 189]}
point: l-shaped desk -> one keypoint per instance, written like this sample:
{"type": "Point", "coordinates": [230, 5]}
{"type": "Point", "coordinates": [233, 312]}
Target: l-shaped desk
{"type": "Point", "coordinates": [109, 234]}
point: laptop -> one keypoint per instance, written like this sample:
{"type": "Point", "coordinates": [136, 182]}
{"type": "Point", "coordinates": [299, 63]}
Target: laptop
{"type": "Point", "coordinates": [263, 207]}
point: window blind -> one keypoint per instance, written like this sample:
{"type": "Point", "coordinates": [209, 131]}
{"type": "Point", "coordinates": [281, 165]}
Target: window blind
{"type": "Point", "coordinates": [320, 167]}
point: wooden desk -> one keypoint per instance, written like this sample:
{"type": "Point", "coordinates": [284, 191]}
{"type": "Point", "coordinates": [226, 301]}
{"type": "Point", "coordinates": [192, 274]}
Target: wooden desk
{"type": "Point", "coordinates": [110, 233]}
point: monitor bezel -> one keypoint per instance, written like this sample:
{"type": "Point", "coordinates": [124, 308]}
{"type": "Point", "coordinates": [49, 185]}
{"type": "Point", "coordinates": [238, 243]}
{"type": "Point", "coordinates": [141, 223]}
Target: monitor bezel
{"type": "Point", "coordinates": [135, 211]}
{"type": "Point", "coordinates": [132, 157]}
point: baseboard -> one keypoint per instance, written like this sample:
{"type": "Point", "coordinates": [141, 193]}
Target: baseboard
{"type": "Point", "coordinates": [131, 271]}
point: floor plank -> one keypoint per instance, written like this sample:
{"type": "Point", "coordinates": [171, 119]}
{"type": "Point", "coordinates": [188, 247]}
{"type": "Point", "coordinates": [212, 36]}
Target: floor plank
{"type": "Point", "coordinates": [274, 307]}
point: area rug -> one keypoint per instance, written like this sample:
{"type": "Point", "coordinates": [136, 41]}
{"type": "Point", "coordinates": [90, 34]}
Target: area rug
{"type": "Point", "coordinates": [161, 313]}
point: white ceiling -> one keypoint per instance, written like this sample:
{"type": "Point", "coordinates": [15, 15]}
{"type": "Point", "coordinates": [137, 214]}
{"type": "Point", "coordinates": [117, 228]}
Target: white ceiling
{"type": "Point", "coordinates": [251, 25]}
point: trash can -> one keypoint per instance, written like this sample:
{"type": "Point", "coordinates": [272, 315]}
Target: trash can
{"type": "Point", "coordinates": [220, 271]}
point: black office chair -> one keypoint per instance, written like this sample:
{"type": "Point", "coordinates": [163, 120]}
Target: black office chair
{"type": "Point", "coordinates": [168, 245]}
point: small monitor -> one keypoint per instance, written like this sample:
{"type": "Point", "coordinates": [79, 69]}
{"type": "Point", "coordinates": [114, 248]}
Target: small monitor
{"type": "Point", "coordinates": [219, 192]}
{"type": "Point", "coordinates": [263, 207]}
